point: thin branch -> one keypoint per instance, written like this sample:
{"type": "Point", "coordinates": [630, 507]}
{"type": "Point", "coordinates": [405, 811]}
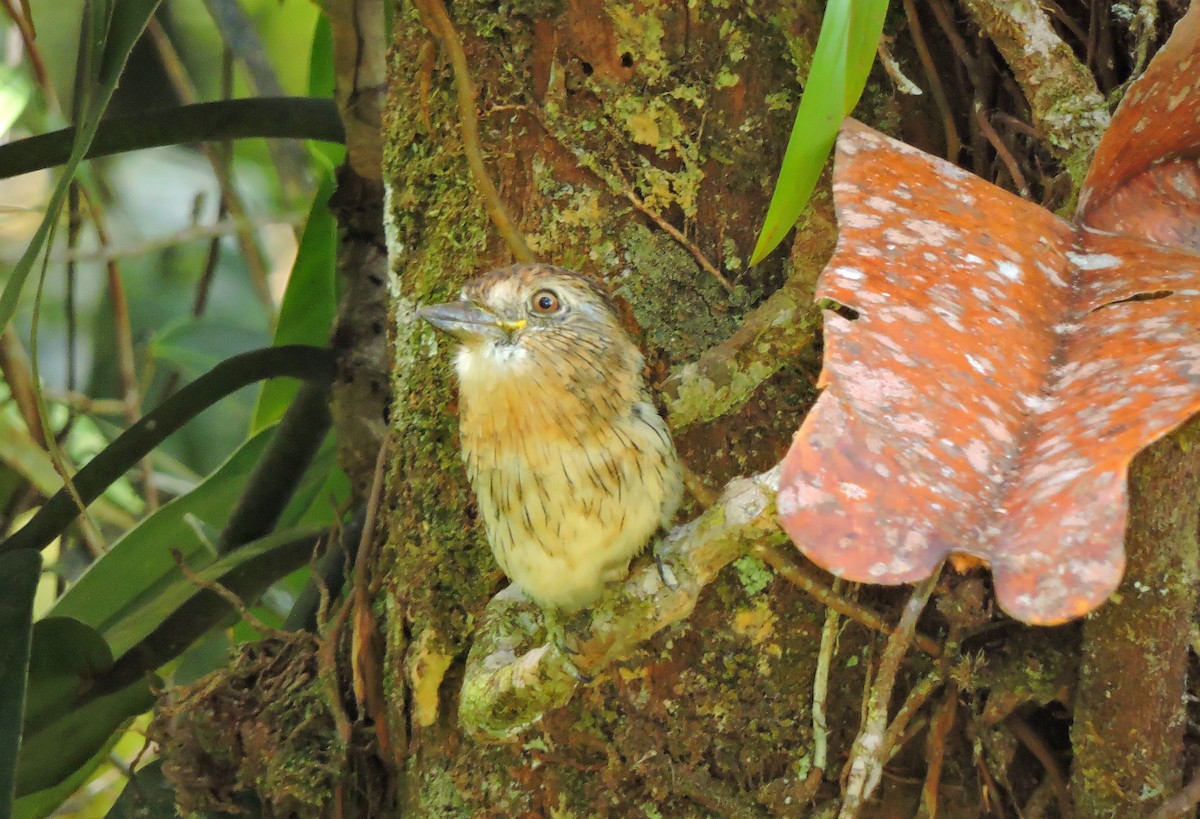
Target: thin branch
{"type": "Point", "coordinates": [870, 750]}
{"type": "Point", "coordinates": [235, 602]}
{"type": "Point", "coordinates": [195, 233]}
{"type": "Point", "coordinates": [800, 576]}
{"type": "Point", "coordinates": [504, 692]}
{"type": "Point", "coordinates": [932, 77]}
{"type": "Point", "coordinates": [220, 158]}
{"type": "Point", "coordinates": [296, 361]}
{"type": "Point", "coordinates": [1037, 746]}
{"type": "Point", "coordinates": [366, 654]}
{"type": "Point", "coordinates": [829, 634]}
{"type": "Point", "coordinates": [123, 330]}
{"type": "Point", "coordinates": [672, 231]}
{"type": "Point", "coordinates": [1065, 102]}
{"type": "Point", "coordinates": [898, 732]}
{"type": "Point", "coordinates": [433, 14]}
{"type": "Point", "coordinates": [903, 84]}
{"type": "Point", "coordinates": [1183, 803]}
{"type": "Point", "coordinates": [726, 376]}
{"type": "Point", "coordinates": [1002, 151]}
{"type": "Point", "coordinates": [616, 182]}
{"type": "Point", "coordinates": [935, 750]}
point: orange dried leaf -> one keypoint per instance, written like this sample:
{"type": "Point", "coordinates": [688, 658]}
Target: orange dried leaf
{"type": "Point", "coordinates": [1145, 177]}
{"type": "Point", "coordinates": [1004, 366]}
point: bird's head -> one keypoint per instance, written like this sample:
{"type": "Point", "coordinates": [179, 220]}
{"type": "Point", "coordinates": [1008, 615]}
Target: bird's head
{"type": "Point", "coordinates": [538, 319]}
{"type": "Point", "coordinates": [513, 304]}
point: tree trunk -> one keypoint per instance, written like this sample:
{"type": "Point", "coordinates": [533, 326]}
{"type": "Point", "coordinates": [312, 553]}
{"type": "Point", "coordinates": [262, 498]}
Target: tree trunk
{"type": "Point", "coordinates": [638, 142]}
{"type": "Point", "coordinates": [600, 123]}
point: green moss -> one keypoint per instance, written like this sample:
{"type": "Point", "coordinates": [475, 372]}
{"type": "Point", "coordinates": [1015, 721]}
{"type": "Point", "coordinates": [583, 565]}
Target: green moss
{"type": "Point", "coordinates": [753, 574]}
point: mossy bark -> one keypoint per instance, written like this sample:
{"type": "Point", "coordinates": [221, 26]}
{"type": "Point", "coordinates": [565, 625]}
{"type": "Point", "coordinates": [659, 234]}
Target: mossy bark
{"type": "Point", "coordinates": [581, 104]}
{"type": "Point", "coordinates": [1130, 704]}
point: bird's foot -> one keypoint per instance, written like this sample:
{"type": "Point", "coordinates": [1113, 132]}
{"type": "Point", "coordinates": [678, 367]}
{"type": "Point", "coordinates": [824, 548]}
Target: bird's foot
{"type": "Point", "coordinates": [557, 635]}
{"type": "Point", "coordinates": [665, 573]}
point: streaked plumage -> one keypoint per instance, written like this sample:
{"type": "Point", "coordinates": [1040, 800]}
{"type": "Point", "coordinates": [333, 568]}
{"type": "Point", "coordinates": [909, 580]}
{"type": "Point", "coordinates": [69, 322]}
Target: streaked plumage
{"type": "Point", "coordinates": [573, 466]}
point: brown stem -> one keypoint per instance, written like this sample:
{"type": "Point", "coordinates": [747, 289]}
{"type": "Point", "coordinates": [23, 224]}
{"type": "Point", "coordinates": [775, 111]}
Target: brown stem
{"type": "Point", "coordinates": [870, 748]}
{"type": "Point", "coordinates": [433, 14]}
{"type": "Point", "coordinates": [1130, 712]}
{"type": "Point", "coordinates": [934, 81]}
{"type": "Point", "coordinates": [801, 576]}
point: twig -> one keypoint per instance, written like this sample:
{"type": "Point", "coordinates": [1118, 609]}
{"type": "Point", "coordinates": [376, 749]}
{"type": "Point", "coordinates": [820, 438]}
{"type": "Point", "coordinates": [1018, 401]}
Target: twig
{"type": "Point", "coordinates": [1037, 746]}
{"type": "Point", "coordinates": [951, 30]}
{"type": "Point", "coordinates": [126, 359]}
{"type": "Point", "coordinates": [366, 645]}
{"type": "Point", "coordinates": [829, 634]}
{"type": "Point", "coordinates": [1063, 97]}
{"type": "Point", "coordinates": [953, 142]}
{"type": "Point", "coordinates": [903, 84]}
{"type": "Point", "coordinates": [898, 732]}
{"type": "Point", "coordinates": [617, 183]}
{"type": "Point", "coordinates": [231, 201]}
{"type": "Point", "coordinates": [672, 231]}
{"type": "Point", "coordinates": [870, 751]}
{"type": "Point", "coordinates": [935, 750]}
{"type": "Point", "coordinates": [1010, 162]}
{"type": "Point", "coordinates": [155, 244]}
{"type": "Point", "coordinates": [1183, 803]}
{"type": "Point", "coordinates": [235, 602]}
{"type": "Point", "coordinates": [727, 375]}
{"type": "Point", "coordinates": [801, 577]}
{"type": "Point", "coordinates": [433, 14]}
{"type": "Point", "coordinates": [504, 692]}
{"type": "Point", "coordinates": [327, 657]}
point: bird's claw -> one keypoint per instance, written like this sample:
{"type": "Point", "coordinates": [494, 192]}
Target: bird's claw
{"type": "Point", "coordinates": [569, 654]}
{"type": "Point", "coordinates": [665, 573]}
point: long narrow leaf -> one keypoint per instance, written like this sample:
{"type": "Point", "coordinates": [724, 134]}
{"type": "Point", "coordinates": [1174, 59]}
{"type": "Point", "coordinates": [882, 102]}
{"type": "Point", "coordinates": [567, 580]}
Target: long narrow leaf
{"type": "Point", "coordinates": [845, 51]}
{"type": "Point", "coordinates": [19, 573]}
{"type": "Point", "coordinates": [310, 301]}
{"type": "Point", "coordinates": [107, 41]}
{"type": "Point", "coordinates": [139, 566]}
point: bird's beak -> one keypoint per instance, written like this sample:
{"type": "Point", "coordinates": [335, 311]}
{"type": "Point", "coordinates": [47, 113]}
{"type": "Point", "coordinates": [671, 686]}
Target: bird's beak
{"type": "Point", "coordinates": [467, 321]}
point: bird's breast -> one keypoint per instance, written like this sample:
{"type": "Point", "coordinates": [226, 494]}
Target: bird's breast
{"type": "Point", "coordinates": [570, 485]}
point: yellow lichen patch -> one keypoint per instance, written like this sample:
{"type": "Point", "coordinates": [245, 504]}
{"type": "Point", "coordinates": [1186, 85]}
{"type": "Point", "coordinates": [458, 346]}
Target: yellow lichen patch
{"type": "Point", "coordinates": [756, 622]}
{"type": "Point", "coordinates": [427, 665]}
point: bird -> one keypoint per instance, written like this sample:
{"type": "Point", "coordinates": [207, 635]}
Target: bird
{"type": "Point", "coordinates": [573, 467]}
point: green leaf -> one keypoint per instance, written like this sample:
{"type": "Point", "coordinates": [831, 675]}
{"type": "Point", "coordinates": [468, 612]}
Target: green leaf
{"type": "Point", "coordinates": [309, 302]}
{"type": "Point", "coordinates": [15, 90]}
{"type": "Point", "coordinates": [845, 51]}
{"type": "Point", "coordinates": [256, 117]}
{"type": "Point", "coordinates": [19, 573]}
{"type": "Point", "coordinates": [62, 747]}
{"type": "Point", "coordinates": [66, 655]}
{"type": "Point", "coordinates": [196, 345]}
{"type": "Point", "coordinates": [140, 566]}
{"type": "Point", "coordinates": [148, 795]}
{"type": "Point", "coordinates": [21, 453]}
{"type": "Point", "coordinates": [287, 544]}
{"type": "Point", "coordinates": [44, 802]}
{"type": "Point", "coordinates": [107, 36]}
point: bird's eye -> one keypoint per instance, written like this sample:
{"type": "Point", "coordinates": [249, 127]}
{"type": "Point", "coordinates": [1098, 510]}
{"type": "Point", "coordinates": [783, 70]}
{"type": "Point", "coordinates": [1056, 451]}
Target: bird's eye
{"type": "Point", "coordinates": [545, 302]}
